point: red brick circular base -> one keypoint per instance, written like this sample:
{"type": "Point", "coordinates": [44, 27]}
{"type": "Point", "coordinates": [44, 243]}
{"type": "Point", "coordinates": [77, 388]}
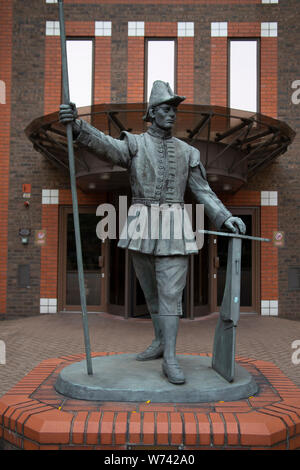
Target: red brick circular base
{"type": "Point", "coordinates": [34, 416]}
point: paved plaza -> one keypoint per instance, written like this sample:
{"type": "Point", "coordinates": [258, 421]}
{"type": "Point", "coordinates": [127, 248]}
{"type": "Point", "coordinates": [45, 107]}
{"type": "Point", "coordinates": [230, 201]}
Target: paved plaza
{"type": "Point", "coordinates": [30, 340]}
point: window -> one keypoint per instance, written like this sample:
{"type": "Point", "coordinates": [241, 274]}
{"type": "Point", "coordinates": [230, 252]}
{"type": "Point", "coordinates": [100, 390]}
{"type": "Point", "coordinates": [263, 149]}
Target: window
{"type": "Point", "coordinates": [160, 63]}
{"type": "Point", "coordinates": [80, 70]}
{"type": "Point", "coordinates": [243, 75]}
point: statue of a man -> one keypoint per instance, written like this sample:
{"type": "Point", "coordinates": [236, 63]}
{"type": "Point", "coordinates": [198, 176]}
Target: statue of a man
{"type": "Point", "coordinates": [160, 168]}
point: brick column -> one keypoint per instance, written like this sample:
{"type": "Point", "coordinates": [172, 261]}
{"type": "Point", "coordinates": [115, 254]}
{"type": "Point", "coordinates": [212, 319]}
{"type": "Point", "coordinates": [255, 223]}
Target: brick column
{"type": "Point", "coordinates": [269, 76]}
{"type": "Point", "coordinates": [6, 23]}
{"type": "Point", "coordinates": [102, 70]}
{"type": "Point", "coordinates": [52, 87]}
{"type": "Point", "coordinates": [185, 68]}
{"type": "Point", "coordinates": [218, 71]}
{"type": "Point", "coordinates": [135, 78]}
{"type": "Point", "coordinates": [49, 254]}
{"type": "Point", "coordinates": [269, 254]}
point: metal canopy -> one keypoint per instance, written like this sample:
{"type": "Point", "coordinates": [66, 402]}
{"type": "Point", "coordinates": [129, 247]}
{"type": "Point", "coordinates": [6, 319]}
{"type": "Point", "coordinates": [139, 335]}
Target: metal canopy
{"type": "Point", "coordinates": [234, 144]}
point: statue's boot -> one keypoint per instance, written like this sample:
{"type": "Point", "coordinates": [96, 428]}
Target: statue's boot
{"type": "Point", "coordinates": [156, 348]}
{"type": "Point", "coordinates": [171, 368]}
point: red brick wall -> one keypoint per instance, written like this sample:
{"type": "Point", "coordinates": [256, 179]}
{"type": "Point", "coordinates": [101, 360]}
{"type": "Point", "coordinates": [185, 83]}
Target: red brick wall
{"type": "Point", "coordinates": [165, 29]}
{"type": "Point", "coordinates": [102, 70]}
{"type": "Point", "coordinates": [244, 30]}
{"type": "Point", "coordinates": [49, 251]}
{"type": "Point", "coordinates": [135, 74]}
{"type": "Point", "coordinates": [52, 94]}
{"type": "Point", "coordinates": [218, 72]}
{"type": "Point", "coordinates": [185, 68]}
{"type": "Point", "coordinates": [5, 117]}
{"type": "Point", "coordinates": [242, 198]}
{"type": "Point", "coordinates": [269, 254]}
{"type": "Point", "coordinates": [269, 76]}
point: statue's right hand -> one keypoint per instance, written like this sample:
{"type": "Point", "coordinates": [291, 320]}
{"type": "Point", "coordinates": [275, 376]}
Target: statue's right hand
{"type": "Point", "coordinates": [67, 113]}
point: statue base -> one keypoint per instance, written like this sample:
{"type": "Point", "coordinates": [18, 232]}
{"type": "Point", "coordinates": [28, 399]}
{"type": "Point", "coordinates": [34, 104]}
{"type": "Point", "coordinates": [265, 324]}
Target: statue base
{"type": "Point", "coordinates": [122, 378]}
{"type": "Point", "coordinates": [33, 415]}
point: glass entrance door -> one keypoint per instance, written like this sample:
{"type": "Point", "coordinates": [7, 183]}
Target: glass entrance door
{"type": "Point", "coordinates": [93, 255]}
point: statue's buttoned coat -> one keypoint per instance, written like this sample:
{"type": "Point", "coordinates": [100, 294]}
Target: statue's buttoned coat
{"type": "Point", "coordinates": [160, 170]}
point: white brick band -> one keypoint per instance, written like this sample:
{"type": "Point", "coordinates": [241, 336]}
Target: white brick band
{"type": "Point", "coordinates": [52, 28]}
{"type": "Point", "coordinates": [136, 28]}
{"type": "Point", "coordinates": [269, 308]}
{"type": "Point", "coordinates": [50, 196]}
{"type": "Point", "coordinates": [185, 30]}
{"type": "Point", "coordinates": [219, 29]}
{"type": "Point", "coordinates": [102, 28]}
{"type": "Point", "coordinates": [269, 30]}
{"type": "Point", "coordinates": [269, 198]}
{"type": "Point", "coordinates": [48, 305]}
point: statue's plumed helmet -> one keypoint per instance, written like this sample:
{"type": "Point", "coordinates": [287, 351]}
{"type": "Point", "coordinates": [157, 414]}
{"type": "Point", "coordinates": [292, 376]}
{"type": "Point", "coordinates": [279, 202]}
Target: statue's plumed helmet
{"type": "Point", "coordinates": [161, 93]}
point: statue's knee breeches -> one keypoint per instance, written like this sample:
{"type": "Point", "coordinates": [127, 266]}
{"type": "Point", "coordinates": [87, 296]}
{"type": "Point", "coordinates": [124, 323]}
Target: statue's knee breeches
{"type": "Point", "coordinates": [162, 279]}
{"type": "Point", "coordinates": [144, 267]}
{"type": "Point", "coordinates": [171, 274]}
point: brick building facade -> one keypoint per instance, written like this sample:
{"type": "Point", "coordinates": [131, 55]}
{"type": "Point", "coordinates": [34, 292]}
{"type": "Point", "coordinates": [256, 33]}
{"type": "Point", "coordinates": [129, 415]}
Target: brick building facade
{"type": "Point", "coordinates": [33, 276]}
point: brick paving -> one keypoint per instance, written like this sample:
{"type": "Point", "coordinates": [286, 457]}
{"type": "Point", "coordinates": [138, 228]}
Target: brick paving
{"type": "Point", "coordinates": [33, 339]}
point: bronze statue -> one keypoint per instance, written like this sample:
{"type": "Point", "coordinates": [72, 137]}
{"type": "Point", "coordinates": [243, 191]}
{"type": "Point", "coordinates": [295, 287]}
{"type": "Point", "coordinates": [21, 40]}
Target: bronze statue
{"type": "Point", "coordinates": [160, 168]}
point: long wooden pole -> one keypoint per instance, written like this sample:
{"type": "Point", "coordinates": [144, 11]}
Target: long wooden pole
{"type": "Point", "coordinates": [69, 130]}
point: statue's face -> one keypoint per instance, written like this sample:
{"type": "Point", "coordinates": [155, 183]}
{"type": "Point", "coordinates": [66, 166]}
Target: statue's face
{"type": "Point", "coordinates": [164, 115]}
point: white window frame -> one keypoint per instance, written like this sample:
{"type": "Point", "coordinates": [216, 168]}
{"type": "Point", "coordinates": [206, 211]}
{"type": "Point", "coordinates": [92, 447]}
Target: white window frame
{"type": "Point", "coordinates": [136, 28]}
{"type": "Point", "coordinates": [269, 30]}
{"type": "Point", "coordinates": [102, 28]}
{"type": "Point", "coordinates": [219, 29]}
{"type": "Point", "coordinates": [185, 29]}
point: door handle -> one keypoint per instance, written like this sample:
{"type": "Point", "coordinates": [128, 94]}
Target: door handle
{"type": "Point", "coordinates": [101, 261]}
{"type": "Point", "coordinates": [216, 262]}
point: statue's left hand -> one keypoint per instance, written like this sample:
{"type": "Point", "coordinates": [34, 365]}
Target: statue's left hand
{"type": "Point", "coordinates": [235, 225]}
